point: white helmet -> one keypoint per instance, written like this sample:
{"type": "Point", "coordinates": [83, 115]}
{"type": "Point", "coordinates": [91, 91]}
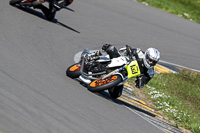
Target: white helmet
{"type": "Point", "coordinates": [151, 57]}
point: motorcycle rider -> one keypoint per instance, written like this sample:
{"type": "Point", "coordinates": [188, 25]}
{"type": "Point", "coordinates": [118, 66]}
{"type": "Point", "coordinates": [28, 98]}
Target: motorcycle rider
{"type": "Point", "coordinates": [146, 60]}
{"type": "Point", "coordinates": [54, 5]}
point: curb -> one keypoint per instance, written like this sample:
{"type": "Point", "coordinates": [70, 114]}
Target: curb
{"type": "Point", "coordinates": [163, 69]}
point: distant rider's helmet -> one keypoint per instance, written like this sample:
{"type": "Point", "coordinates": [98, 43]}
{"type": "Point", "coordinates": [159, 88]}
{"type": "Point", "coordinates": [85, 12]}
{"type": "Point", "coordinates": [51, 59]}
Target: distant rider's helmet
{"type": "Point", "coordinates": [151, 57]}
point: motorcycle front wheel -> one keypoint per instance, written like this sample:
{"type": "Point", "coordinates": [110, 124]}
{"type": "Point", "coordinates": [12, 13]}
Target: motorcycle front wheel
{"type": "Point", "coordinates": [103, 84]}
{"type": "Point", "coordinates": [14, 2]}
{"type": "Point", "coordinates": [74, 71]}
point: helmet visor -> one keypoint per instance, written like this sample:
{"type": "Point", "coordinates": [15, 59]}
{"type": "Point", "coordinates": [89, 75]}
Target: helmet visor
{"type": "Point", "coordinates": [150, 61]}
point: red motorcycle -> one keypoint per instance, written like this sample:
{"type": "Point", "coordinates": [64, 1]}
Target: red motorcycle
{"type": "Point", "coordinates": [49, 13]}
{"type": "Point", "coordinates": [26, 3]}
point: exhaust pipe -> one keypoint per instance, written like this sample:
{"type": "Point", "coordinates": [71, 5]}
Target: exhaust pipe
{"type": "Point", "coordinates": [87, 81]}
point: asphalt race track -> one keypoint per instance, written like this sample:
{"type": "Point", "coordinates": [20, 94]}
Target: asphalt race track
{"type": "Point", "coordinates": [35, 94]}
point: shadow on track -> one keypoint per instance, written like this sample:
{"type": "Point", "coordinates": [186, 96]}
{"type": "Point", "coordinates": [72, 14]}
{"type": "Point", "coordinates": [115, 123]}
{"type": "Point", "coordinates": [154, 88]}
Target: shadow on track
{"type": "Point", "coordinates": [40, 15]}
{"type": "Point", "coordinates": [107, 96]}
{"type": "Point", "coordinates": [118, 101]}
{"type": "Point", "coordinates": [68, 9]}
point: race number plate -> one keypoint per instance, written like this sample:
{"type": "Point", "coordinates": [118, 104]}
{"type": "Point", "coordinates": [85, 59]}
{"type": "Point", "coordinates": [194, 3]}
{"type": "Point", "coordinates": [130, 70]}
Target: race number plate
{"type": "Point", "coordinates": [133, 69]}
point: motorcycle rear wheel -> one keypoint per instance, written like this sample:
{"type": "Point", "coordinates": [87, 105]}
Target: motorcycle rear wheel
{"type": "Point", "coordinates": [74, 71]}
{"type": "Point", "coordinates": [14, 2]}
{"type": "Point", "coordinates": [51, 16]}
{"type": "Point", "coordinates": [116, 91]}
{"type": "Point", "coordinates": [103, 84]}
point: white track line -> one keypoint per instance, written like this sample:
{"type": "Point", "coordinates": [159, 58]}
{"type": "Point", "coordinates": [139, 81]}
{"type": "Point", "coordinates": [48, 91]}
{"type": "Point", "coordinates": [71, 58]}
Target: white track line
{"type": "Point", "coordinates": [146, 119]}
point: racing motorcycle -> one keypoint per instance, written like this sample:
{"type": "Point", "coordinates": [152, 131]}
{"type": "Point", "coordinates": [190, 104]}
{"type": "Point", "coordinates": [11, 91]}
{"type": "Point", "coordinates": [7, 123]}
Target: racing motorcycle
{"type": "Point", "coordinates": [32, 3]}
{"type": "Point", "coordinates": [102, 73]}
{"type": "Point", "coordinates": [35, 3]}
{"type": "Point", "coordinates": [26, 3]}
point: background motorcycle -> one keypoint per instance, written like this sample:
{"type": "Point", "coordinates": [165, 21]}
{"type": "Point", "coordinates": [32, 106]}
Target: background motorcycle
{"type": "Point", "coordinates": [26, 3]}
{"type": "Point", "coordinates": [49, 13]}
{"type": "Point", "coordinates": [101, 73]}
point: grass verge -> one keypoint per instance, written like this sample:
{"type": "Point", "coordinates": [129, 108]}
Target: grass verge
{"type": "Point", "coordinates": [178, 97]}
{"type": "Point", "coordinates": [188, 9]}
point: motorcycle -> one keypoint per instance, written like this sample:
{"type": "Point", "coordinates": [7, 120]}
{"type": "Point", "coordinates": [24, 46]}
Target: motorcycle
{"type": "Point", "coordinates": [102, 73]}
{"type": "Point", "coordinates": [36, 3]}
{"type": "Point", "coordinates": [26, 3]}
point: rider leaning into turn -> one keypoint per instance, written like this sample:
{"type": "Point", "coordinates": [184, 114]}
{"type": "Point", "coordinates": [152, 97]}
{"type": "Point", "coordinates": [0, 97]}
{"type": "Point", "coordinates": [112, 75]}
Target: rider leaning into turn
{"type": "Point", "coordinates": [54, 5]}
{"type": "Point", "coordinates": [146, 60]}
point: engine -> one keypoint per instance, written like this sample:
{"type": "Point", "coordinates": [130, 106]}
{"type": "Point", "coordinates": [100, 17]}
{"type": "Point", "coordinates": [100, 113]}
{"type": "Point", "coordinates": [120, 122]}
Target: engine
{"type": "Point", "coordinates": [96, 67]}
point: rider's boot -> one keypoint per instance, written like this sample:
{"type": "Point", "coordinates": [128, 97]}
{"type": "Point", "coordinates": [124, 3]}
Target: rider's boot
{"type": "Point", "coordinates": [49, 13]}
{"type": "Point", "coordinates": [44, 9]}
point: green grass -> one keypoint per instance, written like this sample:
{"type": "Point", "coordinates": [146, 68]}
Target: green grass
{"type": "Point", "coordinates": [178, 96]}
{"type": "Point", "coordinates": [189, 9]}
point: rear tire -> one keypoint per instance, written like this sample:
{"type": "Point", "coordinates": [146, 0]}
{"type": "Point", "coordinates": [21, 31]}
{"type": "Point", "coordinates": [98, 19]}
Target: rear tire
{"type": "Point", "coordinates": [116, 91]}
{"type": "Point", "coordinates": [14, 2]}
{"type": "Point", "coordinates": [74, 71]}
{"type": "Point", "coordinates": [51, 16]}
{"type": "Point", "coordinates": [100, 85]}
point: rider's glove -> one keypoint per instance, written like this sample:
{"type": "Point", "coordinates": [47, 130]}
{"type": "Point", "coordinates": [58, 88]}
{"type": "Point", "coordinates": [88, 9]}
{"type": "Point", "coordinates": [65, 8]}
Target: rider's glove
{"type": "Point", "coordinates": [105, 46]}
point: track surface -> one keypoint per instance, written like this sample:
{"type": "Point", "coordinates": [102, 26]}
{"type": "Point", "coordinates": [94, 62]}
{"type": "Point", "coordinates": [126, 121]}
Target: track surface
{"type": "Point", "coordinates": [35, 94]}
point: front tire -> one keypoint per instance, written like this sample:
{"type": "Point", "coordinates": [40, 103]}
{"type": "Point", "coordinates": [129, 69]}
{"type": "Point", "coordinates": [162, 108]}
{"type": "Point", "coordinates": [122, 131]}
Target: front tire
{"type": "Point", "coordinates": [74, 71]}
{"type": "Point", "coordinates": [14, 2]}
{"type": "Point", "coordinates": [103, 84]}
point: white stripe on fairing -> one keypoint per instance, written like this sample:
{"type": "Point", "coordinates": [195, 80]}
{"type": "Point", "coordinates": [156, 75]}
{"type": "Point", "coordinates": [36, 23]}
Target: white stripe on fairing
{"type": "Point", "coordinates": [179, 66]}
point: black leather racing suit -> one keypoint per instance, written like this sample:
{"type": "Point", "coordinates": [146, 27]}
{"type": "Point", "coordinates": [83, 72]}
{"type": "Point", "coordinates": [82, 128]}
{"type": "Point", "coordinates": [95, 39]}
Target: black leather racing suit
{"type": "Point", "coordinates": [147, 73]}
